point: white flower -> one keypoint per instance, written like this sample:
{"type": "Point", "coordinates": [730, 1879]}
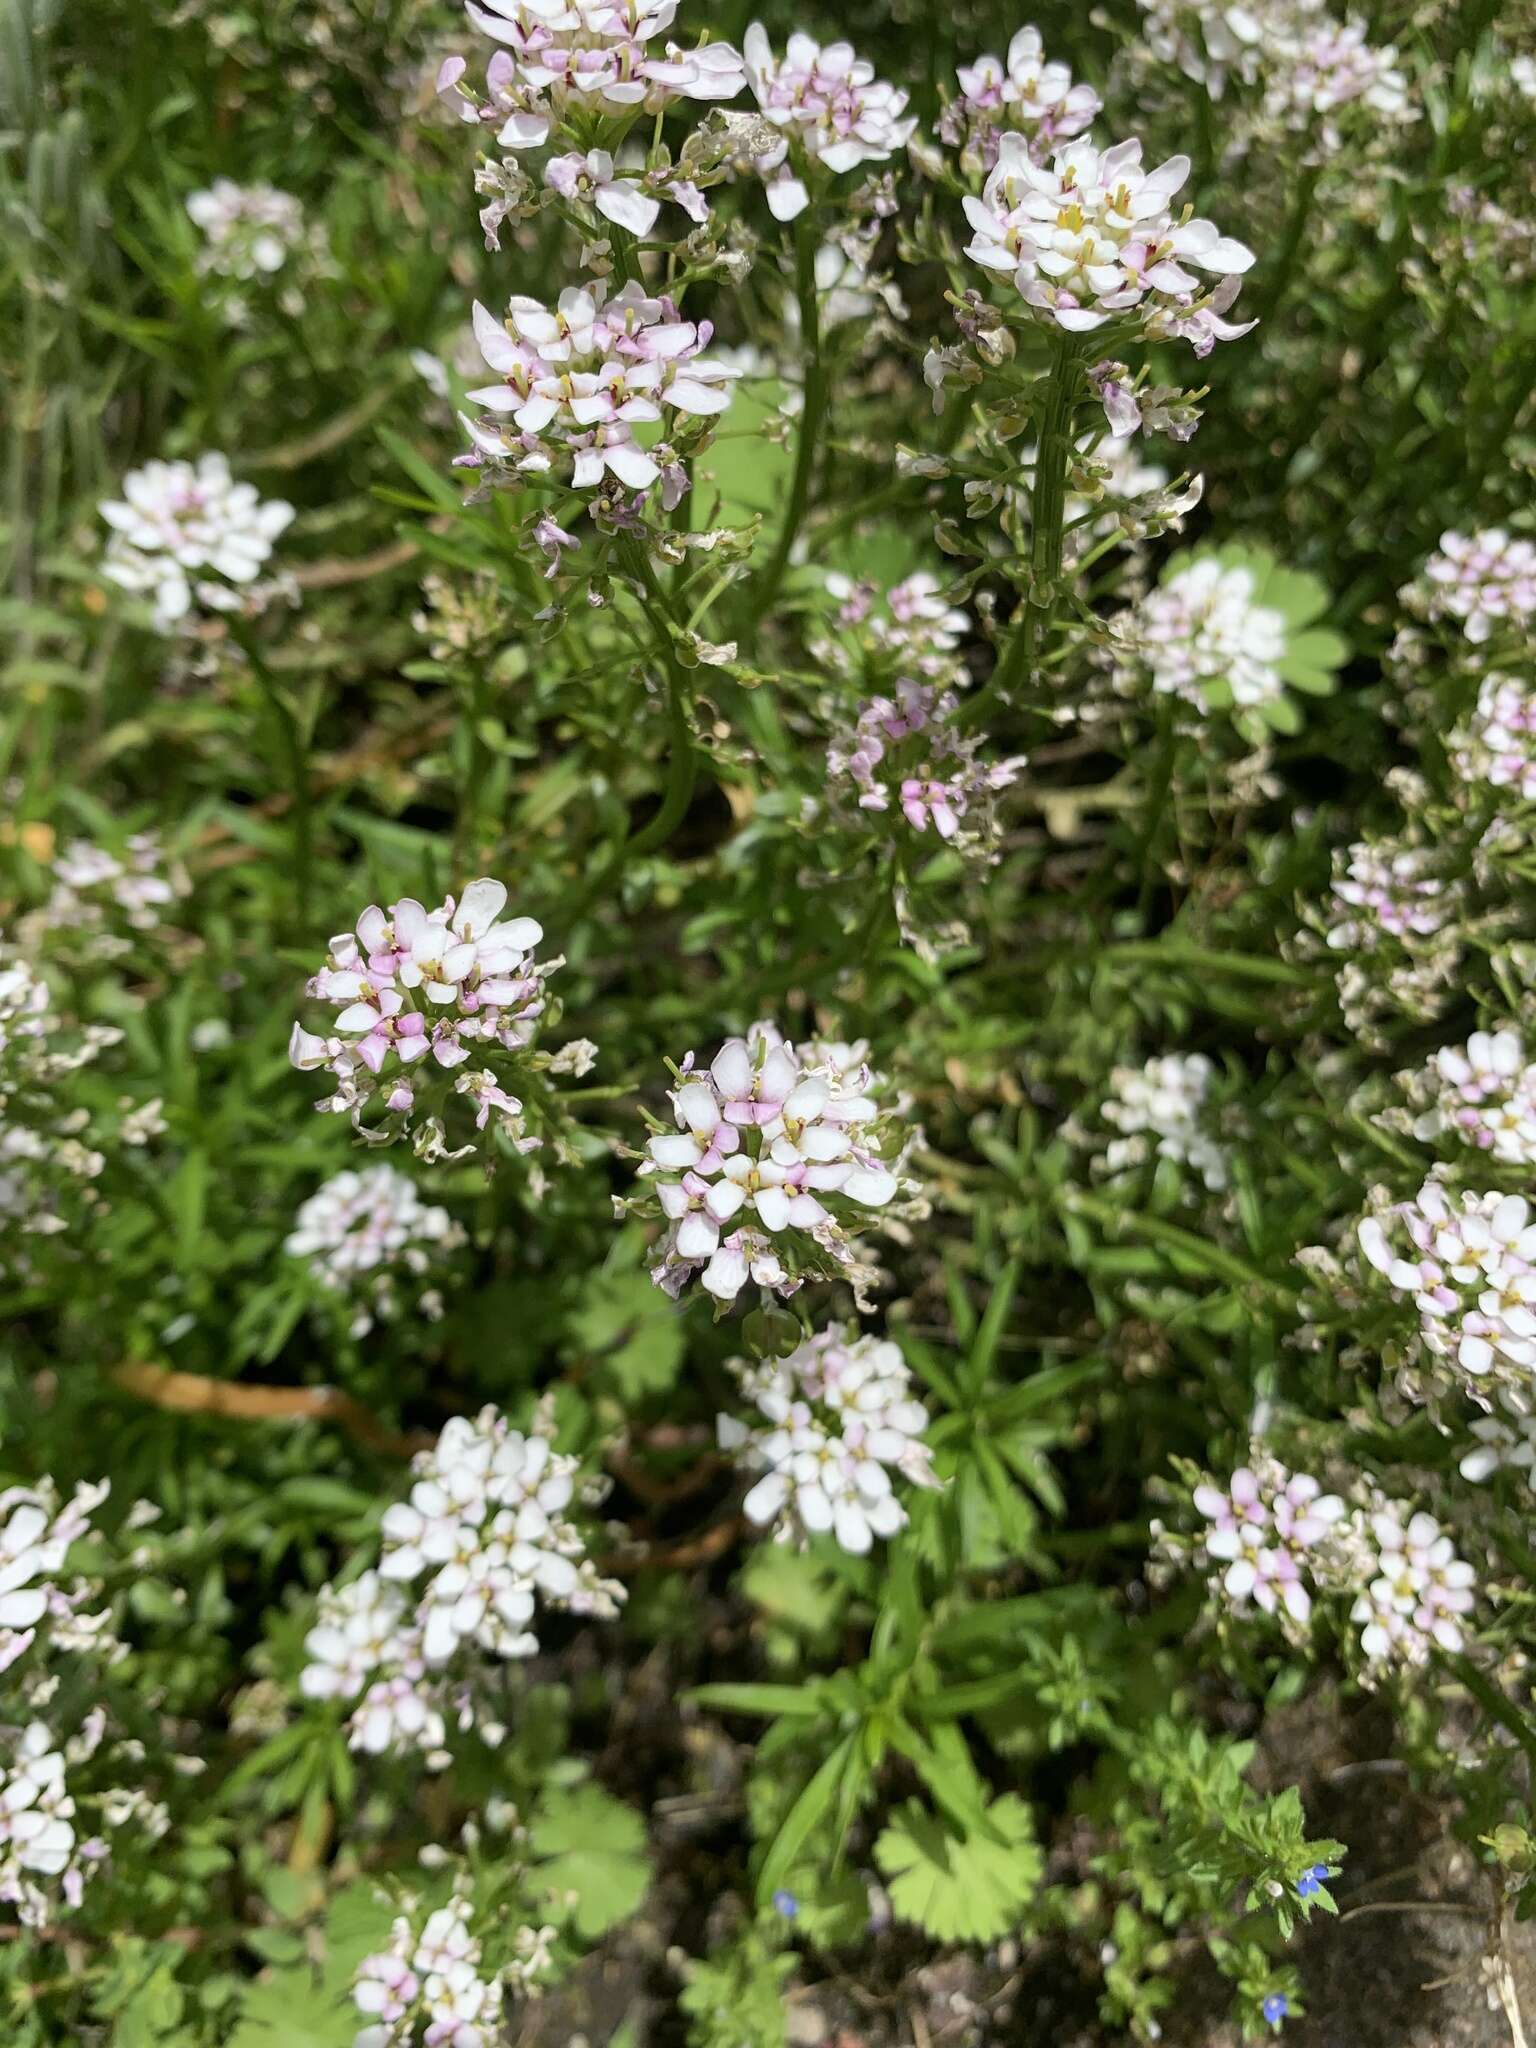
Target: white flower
{"type": "Point", "coordinates": [1165, 1101]}
{"type": "Point", "coordinates": [1202, 628]}
{"type": "Point", "coordinates": [843, 1423]}
{"type": "Point", "coordinates": [248, 230]}
{"type": "Point", "coordinates": [591, 178]}
{"type": "Point", "coordinates": [1486, 581]}
{"type": "Point", "coordinates": [1026, 95]}
{"type": "Point", "coordinates": [1093, 236]}
{"type": "Point", "coordinates": [579, 379]}
{"type": "Point", "coordinates": [36, 1810]}
{"type": "Point", "coordinates": [1389, 891]}
{"type": "Point", "coordinates": [1504, 1442]}
{"type": "Point", "coordinates": [1497, 745]}
{"type": "Point", "coordinates": [830, 108]}
{"type": "Point", "coordinates": [366, 1232]}
{"type": "Point", "coordinates": [768, 1149]}
{"type": "Point", "coordinates": [1328, 66]}
{"type": "Point", "coordinates": [1469, 1267]}
{"type": "Point", "coordinates": [910, 755]}
{"type": "Point", "coordinates": [1264, 1525]}
{"type": "Point", "coordinates": [1484, 1093]}
{"type": "Point", "coordinates": [1418, 1595]}
{"type": "Point", "coordinates": [188, 534]}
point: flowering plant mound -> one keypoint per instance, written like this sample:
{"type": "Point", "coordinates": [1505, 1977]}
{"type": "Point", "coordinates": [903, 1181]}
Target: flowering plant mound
{"type": "Point", "coordinates": [729, 514]}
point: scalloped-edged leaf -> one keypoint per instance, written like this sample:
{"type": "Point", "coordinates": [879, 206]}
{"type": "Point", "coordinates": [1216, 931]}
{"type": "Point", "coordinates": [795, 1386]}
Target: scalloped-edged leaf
{"type": "Point", "coordinates": [961, 1887]}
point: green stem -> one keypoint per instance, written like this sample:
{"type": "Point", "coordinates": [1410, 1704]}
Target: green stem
{"type": "Point", "coordinates": [1047, 514]}
{"type": "Point", "coordinates": [295, 761]}
{"type": "Point", "coordinates": [680, 761]}
{"type": "Point", "coordinates": [1494, 1704]}
{"type": "Point", "coordinates": [812, 414]}
{"type": "Point", "coordinates": [1296, 227]}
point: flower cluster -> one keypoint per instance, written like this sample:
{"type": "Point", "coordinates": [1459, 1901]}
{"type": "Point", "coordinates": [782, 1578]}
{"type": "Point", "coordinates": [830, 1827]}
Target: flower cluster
{"type": "Point", "coordinates": [776, 1154]}
{"type": "Point", "coordinates": [911, 625]}
{"type": "Point", "coordinates": [428, 1986]}
{"type": "Point", "coordinates": [1163, 1108]}
{"type": "Point", "coordinates": [1485, 582]}
{"type": "Point", "coordinates": [830, 110]}
{"type": "Point", "coordinates": [483, 1536]}
{"type": "Point", "coordinates": [1275, 1542]}
{"type": "Point", "coordinates": [48, 1161]}
{"type": "Point", "coordinates": [1416, 1592]}
{"type": "Point", "coordinates": [1265, 1525]}
{"type": "Point", "coordinates": [1202, 632]}
{"type": "Point", "coordinates": [1497, 744]}
{"type": "Point", "coordinates": [69, 1779]}
{"type": "Point", "coordinates": [1326, 67]}
{"type": "Point", "coordinates": [842, 1421]}
{"type": "Point", "coordinates": [1483, 1093]}
{"type": "Point", "coordinates": [249, 231]}
{"type": "Point", "coordinates": [188, 536]}
{"type": "Point", "coordinates": [1214, 41]}
{"type": "Point", "coordinates": [105, 903]}
{"type": "Point", "coordinates": [562, 61]}
{"type": "Point", "coordinates": [1026, 95]}
{"type": "Point", "coordinates": [420, 993]}
{"type": "Point", "coordinates": [1468, 1264]}
{"type": "Point", "coordinates": [1387, 891]}
{"type": "Point", "coordinates": [369, 1237]}
{"type": "Point", "coordinates": [1091, 237]}
{"type": "Point", "coordinates": [909, 754]}
{"type": "Point", "coordinates": [579, 379]}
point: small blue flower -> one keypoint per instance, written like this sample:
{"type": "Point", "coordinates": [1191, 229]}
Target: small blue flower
{"type": "Point", "coordinates": [1275, 2007]}
{"type": "Point", "coordinates": [786, 1903]}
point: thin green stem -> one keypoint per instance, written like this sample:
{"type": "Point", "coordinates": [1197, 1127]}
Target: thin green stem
{"type": "Point", "coordinates": [812, 415]}
{"type": "Point", "coordinates": [1285, 262]}
{"type": "Point", "coordinates": [1495, 1704]}
{"type": "Point", "coordinates": [1047, 514]}
{"type": "Point", "coordinates": [681, 759]}
{"type": "Point", "coordinates": [295, 763]}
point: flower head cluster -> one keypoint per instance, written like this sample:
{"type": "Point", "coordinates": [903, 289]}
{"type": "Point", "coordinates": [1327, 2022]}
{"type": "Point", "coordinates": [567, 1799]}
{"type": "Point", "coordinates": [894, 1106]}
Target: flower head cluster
{"type": "Point", "coordinates": [578, 380]}
{"type": "Point", "coordinates": [48, 1161]}
{"type": "Point", "coordinates": [1468, 1265]}
{"type": "Point", "coordinates": [1417, 1592]}
{"type": "Point", "coordinates": [1026, 95]}
{"type": "Point", "coordinates": [1486, 582]}
{"type": "Point", "coordinates": [104, 903]}
{"type": "Point", "coordinates": [249, 231]}
{"type": "Point", "coordinates": [842, 1422]}
{"type": "Point", "coordinates": [68, 1780]}
{"type": "Point", "coordinates": [188, 536]}
{"type": "Point", "coordinates": [908, 754]}
{"type": "Point", "coordinates": [911, 625]}
{"type": "Point", "coordinates": [564, 61]}
{"type": "Point", "coordinates": [1325, 67]}
{"type": "Point", "coordinates": [1212, 41]}
{"type": "Point", "coordinates": [1265, 1525]}
{"type": "Point", "coordinates": [481, 1539]}
{"type": "Point", "coordinates": [1201, 631]}
{"type": "Point", "coordinates": [1387, 891]}
{"type": "Point", "coordinates": [1484, 1093]}
{"type": "Point", "coordinates": [371, 1239]}
{"type": "Point", "coordinates": [1163, 1108]}
{"type": "Point", "coordinates": [429, 1986]}
{"type": "Point", "coordinates": [830, 110]}
{"type": "Point", "coordinates": [1275, 1542]}
{"type": "Point", "coordinates": [1091, 237]}
{"type": "Point", "coordinates": [420, 994]}
{"type": "Point", "coordinates": [776, 1155]}
{"type": "Point", "coordinates": [1497, 744]}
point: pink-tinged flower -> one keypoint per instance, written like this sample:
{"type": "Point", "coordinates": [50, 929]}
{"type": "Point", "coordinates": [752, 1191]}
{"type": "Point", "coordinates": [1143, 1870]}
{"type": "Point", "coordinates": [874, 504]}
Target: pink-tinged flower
{"type": "Point", "coordinates": [1202, 631]}
{"type": "Point", "coordinates": [415, 987]}
{"type": "Point", "coordinates": [1484, 581]}
{"type": "Point", "coordinates": [1468, 1265]}
{"type": "Point", "coordinates": [1093, 236]}
{"type": "Point", "coordinates": [909, 754]}
{"type": "Point", "coordinates": [190, 536]}
{"type": "Point", "coordinates": [830, 109]}
{"type": "Point", "coordinates": [1483, 1093]}
{"type": "Point", "coordinates": [1388, 891]}
{"type": "Point", "coordinates": [776, 1149]}
{"type": "Point", "coordinates": [580, 377]}
{"type": "Point", "coordinates": [1266, 1528]}
{"type": "Point", "coordinates": [591, 179]}
{"type": "Point", "coordinates": [1026, 95]}
{"type": "Point", "coordinates": [1497, 744]}
{"type": "Point", "coordinates": [559, 68]}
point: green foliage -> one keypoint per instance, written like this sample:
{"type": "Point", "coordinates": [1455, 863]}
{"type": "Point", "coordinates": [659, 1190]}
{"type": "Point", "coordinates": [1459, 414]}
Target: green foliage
{"type": "Point", "coordinates": [735, 1998]}
{"type": "Point", "coordinates": [961, 1887]}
